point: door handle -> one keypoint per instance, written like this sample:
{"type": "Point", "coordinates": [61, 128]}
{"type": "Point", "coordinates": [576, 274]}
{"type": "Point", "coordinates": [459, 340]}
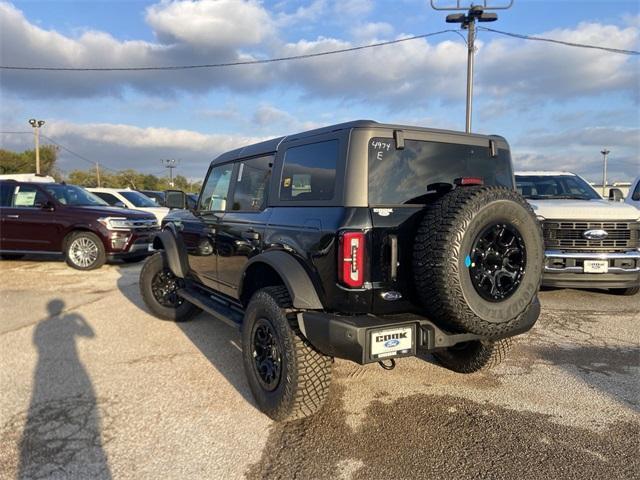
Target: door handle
{"type": "Point", "coordinates": [13, 216]}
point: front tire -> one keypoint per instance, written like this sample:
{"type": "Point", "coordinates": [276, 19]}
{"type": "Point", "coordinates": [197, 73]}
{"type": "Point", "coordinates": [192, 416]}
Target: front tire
{"type": "Point", "coordinates": [159, 286]}
{"type": "Point", "coordinates": [289, 378]}
{"type": "Point", "coordinates": [85, 251]}
{"type": "Point", "coordinates": [474, 356]}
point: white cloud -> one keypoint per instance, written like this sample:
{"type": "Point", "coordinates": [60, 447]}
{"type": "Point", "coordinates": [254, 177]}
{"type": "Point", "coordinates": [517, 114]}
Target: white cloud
{"type": "Point", "coordinates": [372, 30]}
{"type": "Point", "coordinates": [353, 8]}
{"type": "Point", "coordinates": [426, 71]}
{"type": "Point", "coordinates": [121, 146]}
{"type": "Point", "coordinates": [555, 71]}
{"type": "Point", "coordinates": [304, 13]}
{"type": "Point", "coordinates": [211, 24]}
{"type": "Point", "coordinates": [578, 150]}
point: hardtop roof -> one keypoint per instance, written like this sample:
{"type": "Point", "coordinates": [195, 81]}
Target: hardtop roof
{"type": "Point", "coordinates": [269, 146]}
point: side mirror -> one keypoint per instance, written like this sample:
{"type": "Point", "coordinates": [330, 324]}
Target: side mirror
{"type": "Point", "coordinates": [616, 195]}
{"type": "Point", "coordinates": [119, 204]}
{"type": "Point", "coordinates": [175, 199]}
{"type": "Point", "coordinates": [47, 206]}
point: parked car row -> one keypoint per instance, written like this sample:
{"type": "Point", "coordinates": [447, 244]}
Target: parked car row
{"type": "Point", "coordinates": [86, 226]}
{"type": "Point", "coordinates": [53, 218]}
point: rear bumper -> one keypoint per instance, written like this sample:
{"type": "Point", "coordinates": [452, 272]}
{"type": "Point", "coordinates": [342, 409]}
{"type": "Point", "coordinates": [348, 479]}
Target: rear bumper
{"type": "Point", "coordinates": [349, 337]}
{"type": "Point", "coordinates": [566, 270]}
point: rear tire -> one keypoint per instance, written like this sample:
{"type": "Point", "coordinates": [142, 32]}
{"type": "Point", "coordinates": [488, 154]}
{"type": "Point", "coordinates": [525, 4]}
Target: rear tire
{"type": "Point", "coordinates": [289, 378]}
{"type": "Point", "coordinates": [158, 288]}
{"type": "Point", "coordinates": [84, 251]}
{"type": "Point", "coordinates": [477, 261]}
{"type": "Point", "coordinates": [474, 356]}
{"type": "Point", "coordinates": [625, 291]}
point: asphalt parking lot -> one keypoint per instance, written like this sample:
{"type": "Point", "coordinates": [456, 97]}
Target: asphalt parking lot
{"type": "Point", "coordinates": [94, 387]}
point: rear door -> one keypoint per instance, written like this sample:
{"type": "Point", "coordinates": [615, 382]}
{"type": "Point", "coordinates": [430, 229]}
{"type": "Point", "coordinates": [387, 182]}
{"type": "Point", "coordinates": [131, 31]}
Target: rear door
{"type": "Point", "coordinates": [240, 232]}
{"type": "Point", "coordinates": [402, 181]}
{"type": "Point", "coordinates": [26, 224]}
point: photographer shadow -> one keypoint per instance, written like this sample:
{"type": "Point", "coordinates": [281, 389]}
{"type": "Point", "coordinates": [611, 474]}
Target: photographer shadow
{"type": "Point", "coordinates": [62, 434]}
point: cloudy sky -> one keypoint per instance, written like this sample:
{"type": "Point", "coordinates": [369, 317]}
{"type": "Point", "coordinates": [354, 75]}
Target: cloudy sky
{"type": "Point", "coordinates": [558, 106]}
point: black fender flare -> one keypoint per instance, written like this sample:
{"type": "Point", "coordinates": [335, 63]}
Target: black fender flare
{"type": "Point", "coordinates": [303, 293]}
{"type": "Point", "coordinates": [175, 252]}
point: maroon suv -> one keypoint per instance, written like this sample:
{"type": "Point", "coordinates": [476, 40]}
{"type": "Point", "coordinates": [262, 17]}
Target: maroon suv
{"type": "Point", "coordinates": [58, 218]}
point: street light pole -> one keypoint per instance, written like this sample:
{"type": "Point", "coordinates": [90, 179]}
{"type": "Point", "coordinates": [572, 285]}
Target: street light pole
{"type": "Point", "coordinates": [605, 156]}
{"type": "Point", "coordinates": [471, 40]}
{"type": "Point", "coordinates": [170, 164]}
{"type": "Point", "coordinates": [36, 124]}
{"type": "Point", "coordinates": [475, 13]}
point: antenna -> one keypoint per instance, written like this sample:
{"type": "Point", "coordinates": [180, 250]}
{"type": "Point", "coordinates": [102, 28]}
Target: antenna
{"type": "Point", "coordinates": [475, 13]}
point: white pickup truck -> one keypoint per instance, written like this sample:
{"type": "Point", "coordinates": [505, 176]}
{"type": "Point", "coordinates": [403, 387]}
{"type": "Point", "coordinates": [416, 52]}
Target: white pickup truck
{"type": "Point", "coordinates": [590, 242]}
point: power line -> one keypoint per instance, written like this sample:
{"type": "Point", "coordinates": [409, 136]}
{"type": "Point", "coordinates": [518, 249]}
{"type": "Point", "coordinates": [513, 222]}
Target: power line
{"type": "Point", "coordinates": [561, 42]}
{"type": "Point", "coordinates": [313, 55]}
{"type": "Point", "coordinates": [229, 64]}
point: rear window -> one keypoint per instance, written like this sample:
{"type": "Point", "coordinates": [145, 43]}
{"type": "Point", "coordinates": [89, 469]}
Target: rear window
{"type": "Point", "coordinates": [309, 172]}
{"type": "Point", "coordinates": [403, 176]}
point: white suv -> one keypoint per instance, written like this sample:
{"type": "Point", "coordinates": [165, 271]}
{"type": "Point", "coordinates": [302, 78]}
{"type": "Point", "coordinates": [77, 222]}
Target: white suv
{"type": "Point", "coordinates": [589, 241]}
{"type": "Point", "coordinates": [123, 197]}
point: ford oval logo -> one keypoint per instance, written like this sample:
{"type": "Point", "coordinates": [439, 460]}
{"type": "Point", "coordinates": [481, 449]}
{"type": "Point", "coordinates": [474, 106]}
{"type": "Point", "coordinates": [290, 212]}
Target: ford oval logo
{"type": "Point", "coordinates": [391, 343]}
{"type": "Point", "coordinates": [595, 234]}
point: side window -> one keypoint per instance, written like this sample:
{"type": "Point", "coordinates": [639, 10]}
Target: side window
{"type": "Point", "coordinates": [27, 196]}
{"type": "Point", "coordinates": [636, 192]}
{"type": "Point", "coordinates": [107, 197]}
{"type": "Point", "coordinates": [214, 194]}
{"type": "Point", "coordinates": [252, 184]}
{"type": "Point", "coordinates": [6, 193]}
{"type": "Point", "coordinates": [309, 172]}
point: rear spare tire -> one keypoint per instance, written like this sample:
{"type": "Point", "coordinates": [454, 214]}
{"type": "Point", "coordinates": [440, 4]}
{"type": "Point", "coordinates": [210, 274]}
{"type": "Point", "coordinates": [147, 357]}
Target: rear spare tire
{"type": "Point", "coordinates": [478, 259]}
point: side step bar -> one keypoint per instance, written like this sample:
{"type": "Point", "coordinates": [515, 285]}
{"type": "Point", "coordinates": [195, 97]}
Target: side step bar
{"type": "Point", "coordinates": [218, 308]}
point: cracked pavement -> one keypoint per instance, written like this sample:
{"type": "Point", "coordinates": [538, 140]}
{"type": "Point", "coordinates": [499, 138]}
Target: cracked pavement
{"type": "Point", "coordinates": [95, 387]}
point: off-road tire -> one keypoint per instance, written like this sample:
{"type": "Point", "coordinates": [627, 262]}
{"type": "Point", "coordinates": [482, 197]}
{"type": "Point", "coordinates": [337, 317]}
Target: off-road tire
{"type": "Point", "coordinates": [155, 265]}
{"type": "Point", "coordinates": [625, 291]}
{"type": "Point", "coordinates": [474, 356]}
{"type": "Point", "coordinates": [305, 373]}
{"type": "Point", "coordinates": [443, 243]}
{"type": "Point", "coordinates": [87, 237]}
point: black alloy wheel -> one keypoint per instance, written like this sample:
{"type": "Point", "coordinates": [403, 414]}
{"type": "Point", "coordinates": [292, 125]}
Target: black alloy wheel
{"type": "Point", "coordinates": [266, 354]}
{"type": "Point", "coordinates": [497, 261]}
{"type": "Point", "coordinates": [164, 287]}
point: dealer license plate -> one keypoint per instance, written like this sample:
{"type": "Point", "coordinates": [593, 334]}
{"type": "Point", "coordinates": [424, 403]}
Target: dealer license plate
{"type": "Point", "coordinates": [596, 266]}
{"type": "Point", "coordinates": [391, 341]}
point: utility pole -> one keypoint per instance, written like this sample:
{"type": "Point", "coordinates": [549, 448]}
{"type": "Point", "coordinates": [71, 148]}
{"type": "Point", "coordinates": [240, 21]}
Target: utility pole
{"type": "Point", "coordinates": [475, 13]}
{"type": "Point", "coordinates": [98, 174]}
{"type": "Point", "coordinates": [170, 164]}
{"type": "Point", "coordinates": [605, 156]}
{"type": "Point", "coordinates": [36, 124]}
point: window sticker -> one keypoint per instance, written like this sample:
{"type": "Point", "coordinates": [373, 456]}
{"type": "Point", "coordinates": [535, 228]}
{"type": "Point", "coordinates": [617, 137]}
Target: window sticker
{"type": "Point", "coordinates": [24, 199]}
{"type": "Point", "coordinates": [287, 182]}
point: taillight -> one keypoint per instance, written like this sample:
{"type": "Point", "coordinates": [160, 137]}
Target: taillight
{"type": "Point", "coordinates": [351, 259]}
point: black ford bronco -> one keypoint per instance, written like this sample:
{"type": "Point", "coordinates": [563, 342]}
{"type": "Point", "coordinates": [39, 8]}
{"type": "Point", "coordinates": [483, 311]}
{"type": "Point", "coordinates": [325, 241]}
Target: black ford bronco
{"type": "Point", "coordinates": [361, 241]}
